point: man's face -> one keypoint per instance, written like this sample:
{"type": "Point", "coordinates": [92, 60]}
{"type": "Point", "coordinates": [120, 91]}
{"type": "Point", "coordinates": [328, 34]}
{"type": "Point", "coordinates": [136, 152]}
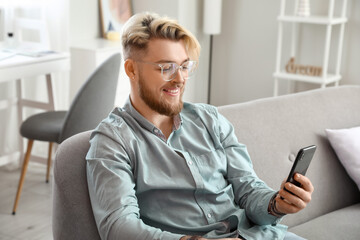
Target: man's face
{"type": "Point", "coordinates": [158, 95]}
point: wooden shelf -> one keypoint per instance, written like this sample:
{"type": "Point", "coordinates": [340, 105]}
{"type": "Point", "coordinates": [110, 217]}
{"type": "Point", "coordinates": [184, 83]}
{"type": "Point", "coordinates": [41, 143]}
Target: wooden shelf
{"type": "Point", "coordinates": [322, 20]}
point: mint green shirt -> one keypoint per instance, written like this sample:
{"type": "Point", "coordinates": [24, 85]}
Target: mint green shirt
{"type": "Point", "coordinates": [199, 181]}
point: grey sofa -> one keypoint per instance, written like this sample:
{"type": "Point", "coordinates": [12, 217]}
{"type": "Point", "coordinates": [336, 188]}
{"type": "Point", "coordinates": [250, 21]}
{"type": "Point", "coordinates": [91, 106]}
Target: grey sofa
{"type": "Point", "coordinates": [273, 130]}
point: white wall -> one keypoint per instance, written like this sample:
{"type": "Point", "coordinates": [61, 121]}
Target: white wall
{"type": "Point", "coordinates": [244, 53]}
{"type": "Point", "coordinates": [84, 20]}
{"type": "Point", "coordinates": [351, 58]}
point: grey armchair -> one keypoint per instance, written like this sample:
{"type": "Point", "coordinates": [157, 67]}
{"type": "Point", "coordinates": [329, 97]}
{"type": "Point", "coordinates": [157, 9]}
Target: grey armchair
{"type": "Point", "coordinates": [92, 103]}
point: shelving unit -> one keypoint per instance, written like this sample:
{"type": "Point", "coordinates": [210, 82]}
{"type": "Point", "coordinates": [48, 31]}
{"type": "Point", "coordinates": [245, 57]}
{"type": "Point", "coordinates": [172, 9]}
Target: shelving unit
{"type": "Point", "coordinates": [328, 21]}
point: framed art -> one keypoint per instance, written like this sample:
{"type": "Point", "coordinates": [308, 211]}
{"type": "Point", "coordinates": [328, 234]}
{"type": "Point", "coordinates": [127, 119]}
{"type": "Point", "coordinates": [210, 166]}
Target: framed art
{"type": "Point", "coordinates": [113, 15]}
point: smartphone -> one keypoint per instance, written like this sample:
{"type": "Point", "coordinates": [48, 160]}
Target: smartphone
{"type": "Point", "coordinates": [301, 164]}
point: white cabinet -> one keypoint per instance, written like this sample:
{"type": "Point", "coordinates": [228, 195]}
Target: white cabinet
{"type": "Point", "coordinates": [327, 22]}
{"type": "Point", "coordinates": [86, 55]}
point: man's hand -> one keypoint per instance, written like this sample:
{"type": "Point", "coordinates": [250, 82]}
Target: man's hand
{"type": "Point", "coordinates": [293, 203]}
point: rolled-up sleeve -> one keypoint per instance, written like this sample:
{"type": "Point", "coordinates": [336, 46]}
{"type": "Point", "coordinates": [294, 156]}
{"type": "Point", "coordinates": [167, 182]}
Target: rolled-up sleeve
{"type": "Point", "coordinates": [111, 184]}
{"type": "Point", "coordinates": [250, 192]}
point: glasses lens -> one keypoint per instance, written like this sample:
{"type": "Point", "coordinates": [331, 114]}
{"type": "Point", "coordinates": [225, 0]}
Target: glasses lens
{"type": "Point", "coordinates": [188, 69]}
{"type": "Point", "coordinates": [169, 70]}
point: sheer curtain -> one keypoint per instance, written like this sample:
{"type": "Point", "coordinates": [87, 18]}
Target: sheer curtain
{"type": "Point", "coordinates": [56, 16]}
{"type": "Point", "coordinates": [58, 28]}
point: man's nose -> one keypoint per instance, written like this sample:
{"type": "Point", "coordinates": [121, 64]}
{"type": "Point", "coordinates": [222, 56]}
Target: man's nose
{"type": "Point", "coordinates": [179, 77]}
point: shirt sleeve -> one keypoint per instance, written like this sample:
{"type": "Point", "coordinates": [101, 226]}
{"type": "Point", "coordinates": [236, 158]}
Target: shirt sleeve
{"type": "Point", "coordinates": [250, 192]}
{"type": "Point", "coordinates": [111, 184]}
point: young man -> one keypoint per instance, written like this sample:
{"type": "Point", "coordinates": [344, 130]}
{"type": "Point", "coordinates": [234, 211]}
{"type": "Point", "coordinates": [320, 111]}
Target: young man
{"type": "Point", "coordinates": [159, 168]}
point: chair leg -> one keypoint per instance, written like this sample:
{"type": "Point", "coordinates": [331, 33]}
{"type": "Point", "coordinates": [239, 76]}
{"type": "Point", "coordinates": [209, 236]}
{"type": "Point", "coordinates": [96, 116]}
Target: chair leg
{"type": "Point", "coordinates": [23, 172]}
{"type": "Point", "coordinates": [49, 162]}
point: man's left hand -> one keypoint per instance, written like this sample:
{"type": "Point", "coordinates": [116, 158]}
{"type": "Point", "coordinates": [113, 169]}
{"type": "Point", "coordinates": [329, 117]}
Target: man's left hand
{"type": "Point", "coordinates": [293, 203]}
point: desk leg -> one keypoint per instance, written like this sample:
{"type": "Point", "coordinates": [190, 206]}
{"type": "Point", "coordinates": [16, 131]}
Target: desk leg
{"type": "Point", "coordinates": [20, 117]}
{"type": "Point", "coordinates": [50, 92]}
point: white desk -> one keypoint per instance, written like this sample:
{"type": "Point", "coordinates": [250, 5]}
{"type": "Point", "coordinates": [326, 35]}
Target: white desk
{"type": "Point", "coordinates": [17, 67]}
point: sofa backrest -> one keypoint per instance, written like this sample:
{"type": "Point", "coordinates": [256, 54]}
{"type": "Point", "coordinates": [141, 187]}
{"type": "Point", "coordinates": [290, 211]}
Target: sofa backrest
{"type": "Point", "coordinates": [274, 129]}
{"type": "Point", "coordinates": [72, 216]}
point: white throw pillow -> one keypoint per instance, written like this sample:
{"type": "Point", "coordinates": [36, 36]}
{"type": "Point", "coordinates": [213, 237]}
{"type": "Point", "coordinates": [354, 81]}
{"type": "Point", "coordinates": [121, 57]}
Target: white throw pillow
{"type": "Point", "coordinates": [346, 143]}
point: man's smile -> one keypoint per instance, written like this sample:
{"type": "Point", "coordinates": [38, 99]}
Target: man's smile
{"type": "Point", "coordinates": [172, 91]}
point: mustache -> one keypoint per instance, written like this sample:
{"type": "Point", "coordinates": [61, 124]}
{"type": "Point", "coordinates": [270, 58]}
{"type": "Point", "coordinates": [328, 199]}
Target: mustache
{"type": "Point", "coordinates": [176, 85]}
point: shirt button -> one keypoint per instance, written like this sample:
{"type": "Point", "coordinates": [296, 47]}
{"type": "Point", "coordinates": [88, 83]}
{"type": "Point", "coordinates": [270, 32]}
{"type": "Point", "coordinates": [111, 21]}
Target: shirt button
{"type": "Point", "coordinates": [190, 162]}
{"type": "Point", "coordinates": [209, 215]}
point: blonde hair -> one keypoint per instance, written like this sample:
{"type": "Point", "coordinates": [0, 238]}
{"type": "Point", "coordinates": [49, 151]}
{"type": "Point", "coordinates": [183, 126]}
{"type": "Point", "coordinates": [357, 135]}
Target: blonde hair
{"type": "Point", "coordinates": [142, 27]}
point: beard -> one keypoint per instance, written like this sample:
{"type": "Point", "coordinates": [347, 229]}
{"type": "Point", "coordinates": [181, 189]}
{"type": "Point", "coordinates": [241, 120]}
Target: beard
{"type": "Point", "coordinates": [159, 103]}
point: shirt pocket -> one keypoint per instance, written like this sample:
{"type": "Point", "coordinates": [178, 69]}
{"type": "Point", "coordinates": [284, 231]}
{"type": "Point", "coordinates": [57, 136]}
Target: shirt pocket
{"type": "Point", "coordinates": [213, 168]}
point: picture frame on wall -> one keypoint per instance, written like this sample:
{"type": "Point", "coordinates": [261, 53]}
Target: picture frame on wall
{"type": "Point", "coordinates": [113, 15]}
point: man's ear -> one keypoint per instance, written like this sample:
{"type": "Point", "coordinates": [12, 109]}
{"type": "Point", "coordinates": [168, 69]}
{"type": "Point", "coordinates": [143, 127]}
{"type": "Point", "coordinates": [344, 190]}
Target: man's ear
{"type": "Point", "coordinates": [130, 69]}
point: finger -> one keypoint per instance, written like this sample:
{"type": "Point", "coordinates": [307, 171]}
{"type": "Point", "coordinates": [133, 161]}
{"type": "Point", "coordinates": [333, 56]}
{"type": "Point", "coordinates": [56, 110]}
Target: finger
{"type": "Point", "coordinates": [291, 198]}
{"type": "Point", "coordinates": [284, 206]}
{"type": "Point", "coordinates": [298, 192]}
{"type": "Point", "coordinates": [304, 191]}
{"type": "Point", "coordinates": [305, 182]}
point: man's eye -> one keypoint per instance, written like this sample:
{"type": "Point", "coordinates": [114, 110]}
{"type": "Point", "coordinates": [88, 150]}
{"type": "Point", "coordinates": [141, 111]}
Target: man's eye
{"type": "Point", "coordinates": [167, 68]}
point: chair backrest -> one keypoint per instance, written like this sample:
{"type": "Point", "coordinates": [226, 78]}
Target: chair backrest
{"type": "Point", "coordinates": [95, 99]}
{"type": "Point", "coordinates": [72, 213]}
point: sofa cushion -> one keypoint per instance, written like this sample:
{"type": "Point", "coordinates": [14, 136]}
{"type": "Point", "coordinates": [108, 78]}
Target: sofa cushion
{"type": "Point", "coordinates": [340, 224]}
{"type": "Point", "coordinates": [346, 143]}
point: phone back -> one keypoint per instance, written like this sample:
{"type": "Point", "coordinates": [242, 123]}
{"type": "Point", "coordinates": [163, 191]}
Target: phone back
{"type": "Point", "coordinates": [301, 163]}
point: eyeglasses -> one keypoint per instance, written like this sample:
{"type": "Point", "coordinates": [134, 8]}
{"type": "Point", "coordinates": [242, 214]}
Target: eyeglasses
{"type": "Point", "coordinates": [169, 70]}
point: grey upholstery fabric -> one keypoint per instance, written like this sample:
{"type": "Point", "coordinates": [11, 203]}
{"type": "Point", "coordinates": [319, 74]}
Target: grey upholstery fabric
{"type": "Point", "coordinates": [72, 214]}
{"type": "Point", "coordinates": [273, 130]}
{"type": "Point", "coordinates": [92, 103]}
{"type": "Point", "coordinates": [43, 126]}
{"type": "Point", "coordinates": [340, 224]}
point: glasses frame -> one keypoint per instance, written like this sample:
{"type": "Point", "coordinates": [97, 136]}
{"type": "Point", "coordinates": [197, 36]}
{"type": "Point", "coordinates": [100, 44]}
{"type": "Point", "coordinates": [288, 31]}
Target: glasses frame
{"type": "Point", "coordinates": [161, 66]}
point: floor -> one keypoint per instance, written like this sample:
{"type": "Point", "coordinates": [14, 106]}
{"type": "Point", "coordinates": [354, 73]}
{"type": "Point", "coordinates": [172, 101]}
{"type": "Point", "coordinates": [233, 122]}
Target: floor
{"type": "Point", "coordinates": [33, 217]}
